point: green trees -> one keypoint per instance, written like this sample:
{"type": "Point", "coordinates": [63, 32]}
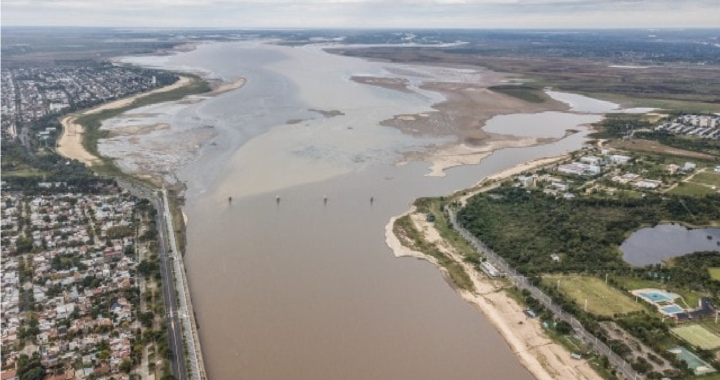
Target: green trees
{"type": "Point", "coordinates": [126, 366]}
{"type": "Point", "coordinates": [29, 368]}
{"type": "Point", "coordinates": [526, 228]}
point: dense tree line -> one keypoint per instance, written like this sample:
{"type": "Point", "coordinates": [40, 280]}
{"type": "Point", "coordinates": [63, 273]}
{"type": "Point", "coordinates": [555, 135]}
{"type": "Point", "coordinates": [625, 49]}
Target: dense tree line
{"type": "Point", "coordinates": [527, 227]}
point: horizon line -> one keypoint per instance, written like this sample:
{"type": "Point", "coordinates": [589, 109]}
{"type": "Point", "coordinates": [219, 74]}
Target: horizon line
{"type": "Point", "coordinates": [677, 28]}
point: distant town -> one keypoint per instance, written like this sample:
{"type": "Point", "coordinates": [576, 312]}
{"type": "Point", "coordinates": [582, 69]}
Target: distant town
{"type": "Point", "coordinates": [31, 93]}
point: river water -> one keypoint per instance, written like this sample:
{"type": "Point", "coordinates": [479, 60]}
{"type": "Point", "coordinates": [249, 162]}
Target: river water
{"type": "Point", "coordinates": [305, 289]}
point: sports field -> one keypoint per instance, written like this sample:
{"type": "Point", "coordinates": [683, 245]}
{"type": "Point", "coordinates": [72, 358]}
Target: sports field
{"type": "Point", "coordinates": [602, 299]}
{"type": "Point", "coordinates": [698, 336]}
{"type": "Point", "coordinates": [714, 273]}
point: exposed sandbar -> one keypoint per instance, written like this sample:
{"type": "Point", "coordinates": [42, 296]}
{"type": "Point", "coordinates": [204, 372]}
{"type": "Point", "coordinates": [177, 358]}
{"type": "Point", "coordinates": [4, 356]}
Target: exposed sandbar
{"type": "Point", "coordinates": [544, 358]}
{"type": "Point", "coordinates": [397, 84]}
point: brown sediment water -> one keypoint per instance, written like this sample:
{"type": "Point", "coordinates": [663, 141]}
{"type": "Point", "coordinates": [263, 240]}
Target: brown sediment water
{"type": "Point", "coordinates": [305, 289]}
{"type": "Point", "coordinates": [293, 278]}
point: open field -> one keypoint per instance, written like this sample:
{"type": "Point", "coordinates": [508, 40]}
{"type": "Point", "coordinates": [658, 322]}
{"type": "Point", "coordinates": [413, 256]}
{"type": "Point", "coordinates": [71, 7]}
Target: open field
{"type": "Point", "coordinates": [714, 273]}
{"type": "Point", "coordinates": [692, 88]}
{"type": "Point", "coordinates": [707, 178]}
{"type": "Point", "coordinates": [656, 147]}
{"type": "Point", "coordinates": [692, 189]}
{"type": "Point", "coordinates": [698, 336]}
{"type": "Point", "coordinates": [602, 299]}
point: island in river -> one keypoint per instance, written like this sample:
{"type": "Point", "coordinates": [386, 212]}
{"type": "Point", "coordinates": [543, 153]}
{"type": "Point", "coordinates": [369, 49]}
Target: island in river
{"type": "Point", "coordinates": [304, 287]}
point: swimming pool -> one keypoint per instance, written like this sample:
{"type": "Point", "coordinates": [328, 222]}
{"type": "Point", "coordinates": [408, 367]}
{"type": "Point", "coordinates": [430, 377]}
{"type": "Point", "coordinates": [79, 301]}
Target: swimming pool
{"type": "Point", "coordinates": [671, 309]}
{"type": "Point", "coordinates": [658, 296]}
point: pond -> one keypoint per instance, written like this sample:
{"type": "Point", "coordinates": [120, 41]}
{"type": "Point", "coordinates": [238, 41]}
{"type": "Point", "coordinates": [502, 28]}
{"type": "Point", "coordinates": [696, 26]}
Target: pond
{"type": "Point", "coordinates": [659, 243]}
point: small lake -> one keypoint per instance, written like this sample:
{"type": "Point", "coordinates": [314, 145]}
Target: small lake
{"type": "Point", "coordinates": [653, 245]}
{"type": "Point", "coordinates": [583, 104]}
{"type": "Point", "coordinates": [544, 124]}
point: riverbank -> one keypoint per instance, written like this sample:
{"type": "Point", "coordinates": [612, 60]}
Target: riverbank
{"type": "Point", "coordinates": [541, 356]}
{"type": "Point", "coordinates": [83, 131]}
{"type": "Point", "coordinates": [79, 138]}
{"type": "Point", "coordinates": [71, 143]}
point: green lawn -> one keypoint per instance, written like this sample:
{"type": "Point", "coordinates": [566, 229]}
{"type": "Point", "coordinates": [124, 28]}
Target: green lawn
{"type": "Point", "coordinates": [628, 194]}
{"type": "Point", "coordinates": [710, 325]}
{"type": "Point", "coordinates": [692, 189]}
{"type": "Point", "coordinates": [602, 299]}
{"type": "Point", "coordinates": [714, 273]}
{"type": "Point", "coordinates": [698, 336]}
{"type": "Point", "coordinates": [707, 178]}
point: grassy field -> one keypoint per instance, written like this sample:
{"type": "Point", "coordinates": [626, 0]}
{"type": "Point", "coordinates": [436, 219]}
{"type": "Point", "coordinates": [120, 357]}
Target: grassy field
{"type": "Point", "coordinates": [654, 147]}
{"type": "Point", "coordinates": [629, 194]}
{"type": "Point", "coordinates": [698, 336]}
{"type": "Point", "coordinates": [526, 93]}
{"type": "Point", "coordinates": [707, 178]}
{"type": "Point", "coordinates": [714, 273]}
{"type": "Point", "coordinates": [602, 299]}
{"type": "Point", "coordinates": [692, 189]}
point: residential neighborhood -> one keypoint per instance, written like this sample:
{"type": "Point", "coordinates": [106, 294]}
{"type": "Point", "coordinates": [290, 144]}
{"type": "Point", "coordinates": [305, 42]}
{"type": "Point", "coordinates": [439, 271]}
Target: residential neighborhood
{"type": "Point", "coordinates": [29, 93]}
{"type": "Point", "coordinates": [706, 126]}
{"type": "Point", "coordinates": [71, 300]}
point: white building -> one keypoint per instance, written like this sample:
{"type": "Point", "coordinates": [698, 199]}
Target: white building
{"type": "Point", "coordinates": [593, 160]}
{"type": "Point", "coordinates": [619, 159]}
{"type": "Point", "coordinates": [526, 180]}
{"type": "Point", "coordinates": [577, 168]}
{"type": "Point", "coordinates": [648, 184]}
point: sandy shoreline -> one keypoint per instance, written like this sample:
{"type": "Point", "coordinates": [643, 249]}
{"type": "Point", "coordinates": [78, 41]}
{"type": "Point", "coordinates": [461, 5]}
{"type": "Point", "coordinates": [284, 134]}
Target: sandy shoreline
{"type": "Point", "coordinates": [540, 355]}
{"type": "Point", "coordinates": [70, 144]}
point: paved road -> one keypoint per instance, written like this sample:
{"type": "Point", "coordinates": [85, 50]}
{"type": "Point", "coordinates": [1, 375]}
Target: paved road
{"type": "Point", "coordinates": [522, 282]}
{"type": "Point", "coordinates": [175, 331]}
{"type": "Point", "coordinates": [183, 295]}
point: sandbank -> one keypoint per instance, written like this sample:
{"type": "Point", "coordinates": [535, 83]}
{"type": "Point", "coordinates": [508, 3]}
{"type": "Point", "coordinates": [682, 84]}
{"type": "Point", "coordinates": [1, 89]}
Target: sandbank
{"type": "Point", "coordinates": [540, 355]}
{"type": "Point", "coordinates": [70, 144]}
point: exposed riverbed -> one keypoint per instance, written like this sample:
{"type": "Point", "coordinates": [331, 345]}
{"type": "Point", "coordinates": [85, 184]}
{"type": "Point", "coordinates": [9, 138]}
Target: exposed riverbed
{"type": "Point", "coordinates": [301, 288]}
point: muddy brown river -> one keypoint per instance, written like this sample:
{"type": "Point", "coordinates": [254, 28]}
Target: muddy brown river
{"type": "Point", "coordinates": [303, 289]}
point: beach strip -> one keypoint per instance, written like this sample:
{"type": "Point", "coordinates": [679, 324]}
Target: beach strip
{"type": "Point", "coordinates": [542, 357]}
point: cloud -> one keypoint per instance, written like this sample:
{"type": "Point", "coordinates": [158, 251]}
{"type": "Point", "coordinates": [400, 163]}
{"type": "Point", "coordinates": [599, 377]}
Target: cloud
{"type": "Point", "coordinates": [364, 13]}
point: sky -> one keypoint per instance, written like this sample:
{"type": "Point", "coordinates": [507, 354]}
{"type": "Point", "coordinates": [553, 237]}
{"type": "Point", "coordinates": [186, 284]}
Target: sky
{"type": "Point", "coordinates": [365, 13]}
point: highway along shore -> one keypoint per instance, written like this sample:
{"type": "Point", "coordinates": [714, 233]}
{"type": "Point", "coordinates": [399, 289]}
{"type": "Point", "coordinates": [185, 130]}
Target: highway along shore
{"type": "Point", "coordinates": [79, 141]}
{"type": "Point", "coordinates": [432, 238]}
